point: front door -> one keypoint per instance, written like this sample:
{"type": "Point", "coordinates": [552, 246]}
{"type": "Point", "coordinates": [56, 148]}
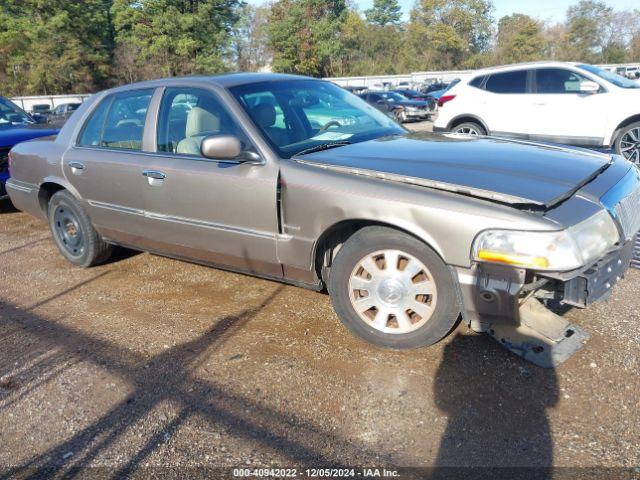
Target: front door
{"type": "Point", "coordinates": [219, 212]}
{"type": "Point", "coordinates": [106, 164]}
{"type": "Point", "coordinates": [562, 114]}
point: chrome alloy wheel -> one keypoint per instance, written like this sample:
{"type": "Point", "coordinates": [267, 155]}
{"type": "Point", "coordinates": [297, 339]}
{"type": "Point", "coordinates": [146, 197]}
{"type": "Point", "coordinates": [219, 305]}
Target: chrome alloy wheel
{"type": "Point", "coordinates": [392, 291]}
{"type": "Point", "coordinates": [466, 131]}
{"type": "Point", "coordinates": [630, 145]}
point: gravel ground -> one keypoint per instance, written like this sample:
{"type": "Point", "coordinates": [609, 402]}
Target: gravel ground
{"type": "Point", "coordinates": [151, 361]}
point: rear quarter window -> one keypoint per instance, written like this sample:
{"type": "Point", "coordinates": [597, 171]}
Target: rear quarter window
{"type": "Point", "coordinates": [507, 82]}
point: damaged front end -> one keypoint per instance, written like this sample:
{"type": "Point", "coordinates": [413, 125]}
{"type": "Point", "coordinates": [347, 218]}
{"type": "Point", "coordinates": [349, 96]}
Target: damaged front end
{"type": "Point", "coordinates": [516, 306]}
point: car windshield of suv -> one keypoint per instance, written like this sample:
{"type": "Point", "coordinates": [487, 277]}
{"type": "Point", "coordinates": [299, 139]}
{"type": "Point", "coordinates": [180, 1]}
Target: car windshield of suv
{"type": "Point", "coordinates": [299, 115]}
{"type": "Point", "coordinates": [11, 114]}
{"type": "Point", "coordinates": [610, 77]}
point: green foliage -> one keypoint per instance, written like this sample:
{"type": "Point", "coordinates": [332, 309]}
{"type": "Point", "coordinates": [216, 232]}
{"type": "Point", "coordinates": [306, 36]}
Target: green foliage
{"type": "Point", "coordinates": [54, 46]}
{"type": "Point", "coordinates": [586, 24]}
{"type": "Point", "coordinates": [447, 33]}
{"type": "Point", "coordinates": [174, 37]}
{"type": "Point", "coordinates": [61, 46]}
{"type": "Point", "coordinates": [384, 12]}
{"type": "Point", "coordinates": [304, 35]}
{"type": "Point", "coordinates": [520, 39]}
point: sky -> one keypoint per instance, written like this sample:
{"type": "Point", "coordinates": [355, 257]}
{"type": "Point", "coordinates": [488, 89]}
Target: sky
{"type": "Point", "coordinates": [553, 10]}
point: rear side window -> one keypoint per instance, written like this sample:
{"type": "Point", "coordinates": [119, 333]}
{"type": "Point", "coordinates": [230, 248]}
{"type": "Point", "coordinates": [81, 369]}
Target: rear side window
{"type": "Point", "coordinates": [558, 80]}
{"type": "Point", "coordinates": [508, 82]}
{"type": "Point", "coordinates": [477, 82]}
{"type": "Point", "coordinates": [118, 122]}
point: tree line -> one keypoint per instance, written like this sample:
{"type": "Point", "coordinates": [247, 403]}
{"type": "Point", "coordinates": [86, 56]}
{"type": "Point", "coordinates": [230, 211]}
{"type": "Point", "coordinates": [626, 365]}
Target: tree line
{"type": "Point", "coordinates": [61, 46]}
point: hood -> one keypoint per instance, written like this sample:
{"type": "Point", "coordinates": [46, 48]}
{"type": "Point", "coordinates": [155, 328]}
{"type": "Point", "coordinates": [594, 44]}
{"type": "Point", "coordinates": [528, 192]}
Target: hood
{"type": "Point", "coordinates": [13, 134]}
{"type": "Point", "coordinates": [501, 170]}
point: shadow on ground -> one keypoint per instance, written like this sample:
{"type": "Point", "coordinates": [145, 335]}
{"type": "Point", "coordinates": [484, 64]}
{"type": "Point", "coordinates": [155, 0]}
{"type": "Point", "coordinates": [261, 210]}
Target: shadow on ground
{"type": "Point", "coordinates": [495, 403]}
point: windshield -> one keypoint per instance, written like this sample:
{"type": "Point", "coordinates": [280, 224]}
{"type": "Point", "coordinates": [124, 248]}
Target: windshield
{"type": "Point", "coordinates": [610, 77]}
{"type": "Point", "coordinates": [393, 96]}
{"type": "Point", "coordinates": [298, 115]}
{"type": "Point", "coordinates": [11, 114]}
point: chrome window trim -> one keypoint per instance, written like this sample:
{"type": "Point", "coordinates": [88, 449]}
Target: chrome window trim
{"type": "Point", "coordinates": [167, 154]}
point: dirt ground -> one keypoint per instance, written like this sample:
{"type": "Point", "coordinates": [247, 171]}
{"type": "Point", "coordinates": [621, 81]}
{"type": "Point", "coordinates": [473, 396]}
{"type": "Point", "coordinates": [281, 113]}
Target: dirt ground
{"type": "Point", "coordinates": [147, 361]}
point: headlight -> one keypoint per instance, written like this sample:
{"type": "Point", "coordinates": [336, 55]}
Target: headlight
{"type": "Point", "coordinates": [557, 251]}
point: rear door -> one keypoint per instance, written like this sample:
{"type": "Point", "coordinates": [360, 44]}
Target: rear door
{"type": "Point", "coordinates": [106, 164]}
{"type": "Point", "coordinates": [503, 103]}
{"type": "Point", "coordinates": [221, 212]}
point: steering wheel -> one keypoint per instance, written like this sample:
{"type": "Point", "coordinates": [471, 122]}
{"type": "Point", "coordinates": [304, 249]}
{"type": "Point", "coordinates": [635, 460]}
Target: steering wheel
{"type": "Point", "coordinates": [329, 124]}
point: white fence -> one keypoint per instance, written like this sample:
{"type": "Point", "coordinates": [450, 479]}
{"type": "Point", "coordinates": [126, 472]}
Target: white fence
{"type": "Point", "coordinates": [411, 78]}
{"type": "Point", "coordinates": [27, 103]}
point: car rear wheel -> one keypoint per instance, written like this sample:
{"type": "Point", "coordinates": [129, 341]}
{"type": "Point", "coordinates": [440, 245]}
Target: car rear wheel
{"type": "Point", "coordinates": [627, 143]}
{"type": "Point", "coordinates": [393, 290]}
{"type": "Point", "coordinates": [73, 232]}
{"type": "Point", "coordinates": [468, 128]}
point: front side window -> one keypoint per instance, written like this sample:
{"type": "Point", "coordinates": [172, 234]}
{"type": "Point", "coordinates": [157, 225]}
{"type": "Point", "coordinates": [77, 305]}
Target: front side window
{"type": "Point", "coordinates": [558, 80]}
{"type": "Point", "coordinates": [298, 115]}
{"type": "Point", "coordinates": [188, 116]}
{"type": "Point", "coordinates": [508, 82]}
{"type": "Point", "coordinates": [118, 122]}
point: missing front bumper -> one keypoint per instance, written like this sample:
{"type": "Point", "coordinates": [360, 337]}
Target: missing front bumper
{"type": "Point", "coordinates": [542, 337]}
{"type": "Point", "coordinates": [501, 301]}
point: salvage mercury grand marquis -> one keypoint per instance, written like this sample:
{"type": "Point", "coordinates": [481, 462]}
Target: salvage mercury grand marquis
{"type": "Point", "coordinates": [295, 179]}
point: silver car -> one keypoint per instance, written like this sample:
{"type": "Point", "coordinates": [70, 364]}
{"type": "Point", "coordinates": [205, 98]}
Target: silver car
{"type": "Point", "coordinates": [297, 180]}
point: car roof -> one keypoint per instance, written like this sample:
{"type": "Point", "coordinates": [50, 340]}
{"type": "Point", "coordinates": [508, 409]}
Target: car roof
{"type": "Point", "coordinates": [226, 80]}
{"type": "Point", "coordinates": [516, 66]}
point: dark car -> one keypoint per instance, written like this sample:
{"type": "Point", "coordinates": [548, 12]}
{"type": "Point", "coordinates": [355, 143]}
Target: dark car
{"type": "Point", "coordinates": [62, 113]}
{"type": "Point", "coordinates": [416, 95]}
{"type": "Point", "coordinates": [400, 107]}
{"type": "Point", "coordinates": [40, 112]}
{"type": "Point", "coordinates": [16, 126]}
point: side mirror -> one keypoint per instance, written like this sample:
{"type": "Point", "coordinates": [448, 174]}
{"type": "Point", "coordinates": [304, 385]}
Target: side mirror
{"type": "Point", "coordinates": [226, 147]}
{"type": "Point", "coordinates": [380, 102]}
{"type": "Point", "coordinates": [589, 87]}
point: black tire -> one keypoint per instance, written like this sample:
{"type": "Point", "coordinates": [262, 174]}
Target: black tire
{"type": "Point", "coordinates": [476, 127]}
{"type": "Point", "coordinates": [634, 154]}
{"type": "Point", "coordinates": [73, 232]}
{"type": "Point", "coordinates": [372, 239]}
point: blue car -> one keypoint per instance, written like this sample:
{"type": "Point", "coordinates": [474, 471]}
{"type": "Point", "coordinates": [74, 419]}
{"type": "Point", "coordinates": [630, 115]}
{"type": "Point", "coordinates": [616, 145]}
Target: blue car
{"type": "Point", "coordinates": [16, 126]}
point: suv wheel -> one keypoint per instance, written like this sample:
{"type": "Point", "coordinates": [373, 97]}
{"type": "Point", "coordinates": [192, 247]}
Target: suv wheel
{"type": "Point", "coordinates": [393, 290]}
{"type": "Point", "coordinates": [627, 143]}
{"type": "Point", "coordinates": [468, 128]}
{"type": "Point", "coordinates": [73, 232]}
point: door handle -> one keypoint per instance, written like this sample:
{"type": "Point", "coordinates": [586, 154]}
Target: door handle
{"type": "Point", "coordinates": [154, 177]}
{"type": "Point", "coordinates": [76, 167]}
{"type": "Point", "coordinates": [154, 174]}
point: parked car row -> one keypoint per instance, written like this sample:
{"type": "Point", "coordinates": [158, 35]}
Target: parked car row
{"type": "Point", "coordinates": [399, 105]}
{"type": "Point", "coordinates": [297, 180]}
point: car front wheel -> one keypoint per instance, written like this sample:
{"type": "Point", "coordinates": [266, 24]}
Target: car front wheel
{"type": "Point", "coordinates": [393, 290]}
{"type": "Point", "coordinates": [73, 232]}
{"type": "Point", "coordinates": [627, 143]}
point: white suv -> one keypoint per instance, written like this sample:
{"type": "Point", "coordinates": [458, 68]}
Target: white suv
{"type": "Point", "coordinates": [568, 103]}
